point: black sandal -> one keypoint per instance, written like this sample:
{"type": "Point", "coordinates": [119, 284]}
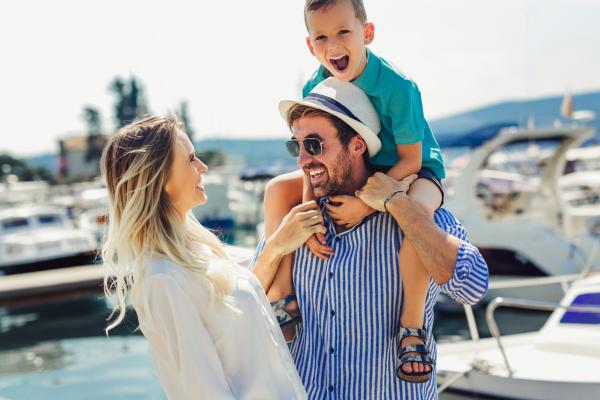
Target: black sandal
{"type": "Point", "coordinates": [286, 317]}
{"type": "Point", "coordinates": [422, 356]}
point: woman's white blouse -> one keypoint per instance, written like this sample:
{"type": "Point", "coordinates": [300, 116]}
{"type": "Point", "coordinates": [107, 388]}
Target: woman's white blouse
{"type": "Point", "coordinates": [202, 349]}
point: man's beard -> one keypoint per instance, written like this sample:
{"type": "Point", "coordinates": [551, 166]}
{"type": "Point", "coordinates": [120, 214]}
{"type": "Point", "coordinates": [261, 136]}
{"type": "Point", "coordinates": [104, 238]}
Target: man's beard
{"type": "Point", "coordinates": [338, 179]}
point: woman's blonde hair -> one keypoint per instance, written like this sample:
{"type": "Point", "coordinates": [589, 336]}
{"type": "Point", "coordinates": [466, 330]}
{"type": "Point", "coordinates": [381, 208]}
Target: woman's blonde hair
{"type": "Point", "coordinates": [142, 221]}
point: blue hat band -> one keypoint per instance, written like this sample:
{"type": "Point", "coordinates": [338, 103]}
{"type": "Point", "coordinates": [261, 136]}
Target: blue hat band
{"type": "Point", "coordinates": [332, 104]}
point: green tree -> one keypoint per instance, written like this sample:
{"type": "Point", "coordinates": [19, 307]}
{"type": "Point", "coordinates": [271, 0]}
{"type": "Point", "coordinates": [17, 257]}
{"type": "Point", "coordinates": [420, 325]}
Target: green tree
{"type": "Point", "coordinates": [130, 102]}
{"type": "Point", "coordinates": [95, 140]}
{"type": "Point", "coordinates": [21, 169]}
{"type": "Point", "coordinates": [184, 117]}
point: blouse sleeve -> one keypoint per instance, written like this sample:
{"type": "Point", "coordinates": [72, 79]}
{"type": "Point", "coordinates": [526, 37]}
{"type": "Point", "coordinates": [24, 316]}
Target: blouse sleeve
{"type": "Point", "coordinates": [186, 340]}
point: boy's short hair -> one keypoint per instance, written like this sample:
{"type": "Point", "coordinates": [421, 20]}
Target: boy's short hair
{"type": "Point", "coordinates": [314, 5]}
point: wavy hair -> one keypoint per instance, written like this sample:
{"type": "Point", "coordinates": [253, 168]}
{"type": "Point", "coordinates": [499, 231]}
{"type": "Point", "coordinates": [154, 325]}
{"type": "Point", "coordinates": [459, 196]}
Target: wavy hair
{"type": "Point", "coordinates": [143, 223]}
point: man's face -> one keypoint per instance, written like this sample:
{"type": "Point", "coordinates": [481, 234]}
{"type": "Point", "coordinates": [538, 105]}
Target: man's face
{"type": "Point", "coordinates": [331, 172]}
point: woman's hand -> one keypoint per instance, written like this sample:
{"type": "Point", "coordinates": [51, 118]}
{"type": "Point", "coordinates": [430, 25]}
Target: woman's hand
{"type": "Point", "coordinates": [349, 212]}
{"type": "Point", "coordinates": [296, 227]}
{"type": "Point", "coordinates": [380, 186]}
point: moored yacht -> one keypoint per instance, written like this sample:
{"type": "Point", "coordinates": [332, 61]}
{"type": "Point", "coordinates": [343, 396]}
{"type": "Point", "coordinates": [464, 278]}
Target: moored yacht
{"type": "Point", "coordinates": [514, 211]}
{"type": "Point", "coordinates": [560, 361]}
{"type": "Point", "coordinates": [40, 237]}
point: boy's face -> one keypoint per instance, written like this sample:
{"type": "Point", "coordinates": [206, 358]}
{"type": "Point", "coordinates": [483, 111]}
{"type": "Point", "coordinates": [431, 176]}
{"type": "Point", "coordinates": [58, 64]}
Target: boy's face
{"type": "Point", "coordinates": [338, 39]}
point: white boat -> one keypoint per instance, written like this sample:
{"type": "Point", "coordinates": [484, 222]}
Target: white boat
{"type": "Point", "coordinates": [508, 195]}
{"type": "Point", "coordinates": [560, 361]}
{"type": "Point", "coordinates": [38, 237]}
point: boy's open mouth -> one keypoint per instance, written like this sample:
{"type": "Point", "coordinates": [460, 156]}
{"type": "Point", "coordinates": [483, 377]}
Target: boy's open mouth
{"type": "Point", "coordinates": [340, 63]}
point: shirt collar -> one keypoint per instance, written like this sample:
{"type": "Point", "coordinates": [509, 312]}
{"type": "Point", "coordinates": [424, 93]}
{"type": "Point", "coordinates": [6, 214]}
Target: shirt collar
{"type": "Point", "coordinates": [367, 80]}
{"type": "Point", "coordinates": [330, 225]}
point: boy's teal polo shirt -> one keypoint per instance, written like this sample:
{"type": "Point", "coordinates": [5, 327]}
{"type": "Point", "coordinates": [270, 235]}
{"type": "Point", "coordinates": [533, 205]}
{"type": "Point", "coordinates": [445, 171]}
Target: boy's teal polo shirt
{"type": "Point", "coordinates": [398, 102]}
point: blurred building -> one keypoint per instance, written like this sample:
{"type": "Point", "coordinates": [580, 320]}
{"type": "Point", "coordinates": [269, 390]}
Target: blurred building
{"type": "Point", "coordinates": [79, 156]}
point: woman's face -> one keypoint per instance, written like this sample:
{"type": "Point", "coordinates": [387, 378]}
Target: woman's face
{"type": "Point", "coordinates": [184, 184]}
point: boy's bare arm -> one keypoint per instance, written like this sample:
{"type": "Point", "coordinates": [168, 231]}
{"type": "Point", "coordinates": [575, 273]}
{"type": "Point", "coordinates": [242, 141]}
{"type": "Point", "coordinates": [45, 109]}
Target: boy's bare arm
{"type": "Point", "coordinates": [409, 161]}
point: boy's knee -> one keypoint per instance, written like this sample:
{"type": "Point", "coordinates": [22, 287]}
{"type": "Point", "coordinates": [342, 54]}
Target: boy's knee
{"type": "Point", "coordinates": [426, 194]}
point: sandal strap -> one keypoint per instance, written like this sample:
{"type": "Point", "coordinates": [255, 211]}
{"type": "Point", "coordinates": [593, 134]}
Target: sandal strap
{"type": "Point", "coordinates": [413, 348]}
{"type": "Point", "coordinates": [420, 358]}
{"type": "Point", "coordinates": [415, 332]}
{"type": "Point", "coordinates": [282, 315]}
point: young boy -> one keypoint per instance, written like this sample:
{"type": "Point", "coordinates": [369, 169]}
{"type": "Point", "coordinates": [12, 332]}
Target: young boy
{"type": "Point", "coordinates": [338, 33]}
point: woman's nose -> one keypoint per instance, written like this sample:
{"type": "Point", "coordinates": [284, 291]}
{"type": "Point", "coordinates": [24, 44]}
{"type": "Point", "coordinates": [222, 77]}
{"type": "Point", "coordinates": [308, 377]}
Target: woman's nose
{"type": "Point", "coordinates": [201, 167]}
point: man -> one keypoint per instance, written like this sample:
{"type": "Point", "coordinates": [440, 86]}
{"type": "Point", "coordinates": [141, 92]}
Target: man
{"type": "Point", "coordinates": [351, 303]}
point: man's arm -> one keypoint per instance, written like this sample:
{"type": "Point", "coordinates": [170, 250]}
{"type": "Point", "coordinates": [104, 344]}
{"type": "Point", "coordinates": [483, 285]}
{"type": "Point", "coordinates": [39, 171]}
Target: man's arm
{"type": "Point", "coordinates": [449, 258]}
{"type": "Point", "coordinates": [445, 252]}
{"type": "Point", "coordinates": [436, 249]}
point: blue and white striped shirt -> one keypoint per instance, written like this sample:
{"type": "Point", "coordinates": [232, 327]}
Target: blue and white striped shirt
{"type": "Point", "coordinates": [351, 305]}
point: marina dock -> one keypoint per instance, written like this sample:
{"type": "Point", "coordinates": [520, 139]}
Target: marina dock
{"type": "Point", "coordinates": [34, 285]}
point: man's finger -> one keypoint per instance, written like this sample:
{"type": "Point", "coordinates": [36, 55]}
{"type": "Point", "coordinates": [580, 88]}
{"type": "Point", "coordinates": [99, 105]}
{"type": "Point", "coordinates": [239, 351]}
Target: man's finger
{"type": "Point", "coordinates": [410, 179]}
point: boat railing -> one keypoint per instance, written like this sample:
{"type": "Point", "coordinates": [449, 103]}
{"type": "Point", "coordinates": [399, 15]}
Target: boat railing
{"type": "Point", "coordinates": [495, 331]}
{"type": "Point", "coordinates": [528, 305]}
{"type": "Point", "coordinates": [563, 280]}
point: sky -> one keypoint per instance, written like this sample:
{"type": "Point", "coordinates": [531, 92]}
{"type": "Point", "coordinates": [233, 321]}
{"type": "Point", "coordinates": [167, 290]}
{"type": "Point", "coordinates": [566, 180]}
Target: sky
{"type": "Point", "coordinates": [234, 60]}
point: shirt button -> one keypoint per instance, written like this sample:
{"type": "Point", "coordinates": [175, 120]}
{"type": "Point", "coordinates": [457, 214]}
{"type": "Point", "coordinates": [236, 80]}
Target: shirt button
{"type": "Point", "coordinates": [331, 274]}
{"type": "Point", "coordinates": [332, 313]}
{"type": "Point", "coordinates": [332, 350]}
{"type": "Point", "coordinates": [331, 388]}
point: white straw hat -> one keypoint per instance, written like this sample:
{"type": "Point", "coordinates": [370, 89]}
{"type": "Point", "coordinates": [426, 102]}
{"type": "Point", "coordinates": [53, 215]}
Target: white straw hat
{"type": "Point", "coordinates": [347, 102]}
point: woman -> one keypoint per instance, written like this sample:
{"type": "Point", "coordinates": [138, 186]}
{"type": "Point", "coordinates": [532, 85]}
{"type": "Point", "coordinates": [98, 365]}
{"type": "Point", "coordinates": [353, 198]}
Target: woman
{"type": "Point", "coordinates": [208, 322]}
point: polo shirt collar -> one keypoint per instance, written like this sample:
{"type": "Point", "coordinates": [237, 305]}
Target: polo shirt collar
{"type": "Point", "coordinates": [367, 80]}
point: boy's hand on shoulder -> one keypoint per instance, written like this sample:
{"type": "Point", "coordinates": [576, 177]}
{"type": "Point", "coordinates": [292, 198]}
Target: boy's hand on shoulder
{"type": "Point", "coordinates": [347, 211]}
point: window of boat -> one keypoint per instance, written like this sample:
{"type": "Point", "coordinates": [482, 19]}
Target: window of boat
{"type": "Point", "coordinates": [49, 219]}
{"type": "Point", "coordinates": [591, 317]}
{"type": "Point", "coordinates": [14, 223]}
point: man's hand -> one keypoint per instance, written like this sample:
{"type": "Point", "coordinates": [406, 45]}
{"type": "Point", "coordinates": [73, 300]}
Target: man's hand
{"type": "Point", "coordinates": [380, 186]}
{"type": "Point", "coordinates": [349, 212]}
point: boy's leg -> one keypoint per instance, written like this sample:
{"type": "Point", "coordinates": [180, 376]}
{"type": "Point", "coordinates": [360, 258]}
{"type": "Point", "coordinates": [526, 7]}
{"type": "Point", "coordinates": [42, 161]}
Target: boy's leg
{"type": "Point", "coordinates": [415, 278]}
{"type": "Point", "coordinates": [281, 195]}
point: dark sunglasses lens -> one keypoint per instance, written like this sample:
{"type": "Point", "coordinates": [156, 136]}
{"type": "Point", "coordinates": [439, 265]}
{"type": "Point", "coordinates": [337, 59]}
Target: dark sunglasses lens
{"type": "Point", "coordinates": [293, 147]}
{"type": "Point", "coordinates": [313, 146]}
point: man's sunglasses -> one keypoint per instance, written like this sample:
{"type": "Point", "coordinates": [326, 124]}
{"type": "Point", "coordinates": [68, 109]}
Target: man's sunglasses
{"type": "Point", "coordinates": [313, 146]}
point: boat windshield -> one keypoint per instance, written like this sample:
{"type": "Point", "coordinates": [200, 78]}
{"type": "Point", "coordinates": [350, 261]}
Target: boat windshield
{"type": "Point", "coordinates": [14, 223]}
{"type": "Point", "coordinates": [583, 317]}
{"type": "Point", "coordinates": [49, 219]}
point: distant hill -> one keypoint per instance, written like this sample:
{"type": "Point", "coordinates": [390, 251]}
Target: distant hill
{"type": "Point", "coordinates": [543, 111]}
{"type": "Point", "coordinates": [256, 152]}
{"type": "Point", "coordinates": [266, 152]}
{"type": "Point", "coordinates": [47, 161]}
